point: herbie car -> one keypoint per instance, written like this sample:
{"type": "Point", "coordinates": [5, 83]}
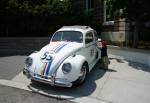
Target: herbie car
{"type": "Point", "coordinates": [66, 60]}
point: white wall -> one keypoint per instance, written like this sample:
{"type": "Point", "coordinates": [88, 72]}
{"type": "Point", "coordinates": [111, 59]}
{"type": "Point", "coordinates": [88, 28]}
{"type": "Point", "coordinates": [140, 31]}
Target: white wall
{"type": "Point", "coordinates": [114, 36]}
{"type": "Point", "coordinates": [117, 36]}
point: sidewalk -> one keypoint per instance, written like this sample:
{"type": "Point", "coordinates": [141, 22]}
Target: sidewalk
{"type": "Point", "coordinates": [130, 54]}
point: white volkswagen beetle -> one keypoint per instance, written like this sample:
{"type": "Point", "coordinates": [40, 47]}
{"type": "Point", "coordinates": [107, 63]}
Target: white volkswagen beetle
{"type": "Point", "coordinates": [70, 55]}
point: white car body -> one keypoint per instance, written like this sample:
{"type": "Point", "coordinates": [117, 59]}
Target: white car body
{"type": "Point", "coordinates": [47, 64]}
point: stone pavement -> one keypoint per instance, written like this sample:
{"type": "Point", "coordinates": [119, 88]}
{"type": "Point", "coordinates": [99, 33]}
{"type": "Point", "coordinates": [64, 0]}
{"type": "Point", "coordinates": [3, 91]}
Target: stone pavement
{"type": "Point", "coordinates": [124, 82]}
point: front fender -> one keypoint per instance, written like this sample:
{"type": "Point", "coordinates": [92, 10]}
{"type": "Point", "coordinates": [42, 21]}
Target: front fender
{"type": "Point", "coordinates": [76, 62]}
{"type": "Point", "coordinates": [34, 56]}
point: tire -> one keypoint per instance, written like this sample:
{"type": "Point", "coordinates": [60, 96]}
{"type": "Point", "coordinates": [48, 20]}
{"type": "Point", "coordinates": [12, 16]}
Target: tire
{"type": "Point", "coordinates": [82, 78]}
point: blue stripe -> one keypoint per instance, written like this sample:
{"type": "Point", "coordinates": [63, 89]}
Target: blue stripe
{"type": "Point", "coordinates": [45, 69]}
{"type": "Point", "coordinates": [59, 45]}
{"type": "Point", "coordinates": [60, 48]}
{"type": "Point", "coordinates": [48, 68]}
{"type": "Point", "coordinates": [49, 63]}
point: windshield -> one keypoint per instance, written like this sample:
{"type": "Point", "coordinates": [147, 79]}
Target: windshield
{"type": "Point", "coordinates": [73, 36]}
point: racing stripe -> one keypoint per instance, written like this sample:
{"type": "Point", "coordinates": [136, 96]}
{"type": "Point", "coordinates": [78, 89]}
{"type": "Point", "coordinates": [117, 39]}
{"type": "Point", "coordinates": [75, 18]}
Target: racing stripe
{"type": "Point", "coordinates": [58, 49]}
{"type": "Point", "coordinates": [42, 72]}
{"type": "Point", "coordinates": [48, 65]}
{"type": "Point", "coordinates": [48, 68]}
{"type": "Point", "coordinates": [45, 69]}
{"type": "Point", "coordinates": [57, 46]}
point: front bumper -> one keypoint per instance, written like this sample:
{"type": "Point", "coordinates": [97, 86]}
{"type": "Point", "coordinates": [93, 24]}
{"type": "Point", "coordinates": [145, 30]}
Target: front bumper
{"type": "Point", "coordinates": [47, 80]}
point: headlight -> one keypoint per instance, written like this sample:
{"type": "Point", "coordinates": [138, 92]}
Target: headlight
{"type": "Point", "coordinates": [28, 61]}
{"type": "Point", "coordinates": [66, 68]}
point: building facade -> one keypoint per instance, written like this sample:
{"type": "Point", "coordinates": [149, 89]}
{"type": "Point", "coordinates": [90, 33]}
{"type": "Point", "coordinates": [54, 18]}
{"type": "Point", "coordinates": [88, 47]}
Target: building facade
{"type": "Point", "coordinates": [114, 29]}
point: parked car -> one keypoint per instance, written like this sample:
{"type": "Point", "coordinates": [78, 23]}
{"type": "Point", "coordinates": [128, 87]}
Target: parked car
{"type": "Point", "coordinates": [66, 60]}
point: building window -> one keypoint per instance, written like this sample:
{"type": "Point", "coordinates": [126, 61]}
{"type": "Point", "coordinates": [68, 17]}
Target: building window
{"type": "Point", "coordinates": [108, 13]}
{"type": "Point", "coordinates": [89, 4]}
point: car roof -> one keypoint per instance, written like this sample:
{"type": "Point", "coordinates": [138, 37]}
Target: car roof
{"type": "Point", "coordinates": [79, 28]}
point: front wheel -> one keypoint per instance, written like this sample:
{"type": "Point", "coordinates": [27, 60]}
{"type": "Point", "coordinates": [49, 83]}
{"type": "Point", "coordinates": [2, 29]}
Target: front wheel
{"type": "Point", "coordinates": [83, 74]}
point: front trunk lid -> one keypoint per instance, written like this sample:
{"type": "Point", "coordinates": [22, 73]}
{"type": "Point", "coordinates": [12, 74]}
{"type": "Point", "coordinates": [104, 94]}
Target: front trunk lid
{"type": "Point", "coordinates": [51, 56]}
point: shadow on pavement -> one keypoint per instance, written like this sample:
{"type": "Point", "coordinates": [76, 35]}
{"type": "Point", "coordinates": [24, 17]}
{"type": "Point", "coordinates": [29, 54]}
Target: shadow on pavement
{"type": "Point", "coordinates": [74, 92]}
{"type": "Point", "coordinates": [117, 59]}
{"type": "Point", "coordinates": [135, 65]}
{"type": "Point", "coordinates": [111, 70]}
{"type": "Point", "coordinates": [139, 66]}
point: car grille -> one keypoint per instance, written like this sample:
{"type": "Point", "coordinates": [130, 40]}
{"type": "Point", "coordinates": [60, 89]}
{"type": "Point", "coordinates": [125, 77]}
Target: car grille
{"type": "Point", "coordinates": [42, 76]}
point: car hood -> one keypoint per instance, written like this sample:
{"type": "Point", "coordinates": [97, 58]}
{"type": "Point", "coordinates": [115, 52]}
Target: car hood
{"type": "Point", "coordinates": [52, 55]}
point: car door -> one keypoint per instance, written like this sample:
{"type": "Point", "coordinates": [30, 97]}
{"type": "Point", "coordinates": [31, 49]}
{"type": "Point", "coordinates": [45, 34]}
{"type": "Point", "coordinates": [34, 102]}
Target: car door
{"type": "Point", "coordinates": [90, 47]}
{"type": "Point", "coordinates": [97, 50]}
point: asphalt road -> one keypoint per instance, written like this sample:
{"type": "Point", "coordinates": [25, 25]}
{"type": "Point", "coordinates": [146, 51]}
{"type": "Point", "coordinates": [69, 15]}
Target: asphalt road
{"type": "Point", "coordinates": [13, 95]}
{"type": "Point", "coordinates": [11, 64]}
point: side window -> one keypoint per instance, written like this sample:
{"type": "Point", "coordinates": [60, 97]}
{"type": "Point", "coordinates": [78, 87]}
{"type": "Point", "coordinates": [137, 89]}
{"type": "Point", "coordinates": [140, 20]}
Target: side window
{"type": "Point", "coordinates": [89, 38]}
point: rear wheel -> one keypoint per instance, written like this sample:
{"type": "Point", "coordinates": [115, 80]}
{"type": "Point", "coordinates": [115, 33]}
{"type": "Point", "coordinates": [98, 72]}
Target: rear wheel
{"type": "Point", "coordinates": [83, 74]}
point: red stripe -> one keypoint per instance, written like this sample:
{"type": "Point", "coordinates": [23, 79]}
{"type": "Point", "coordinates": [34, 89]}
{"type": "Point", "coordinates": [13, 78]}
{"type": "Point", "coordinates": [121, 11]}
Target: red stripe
{"type": "Point", "coordinates": [42, 73]}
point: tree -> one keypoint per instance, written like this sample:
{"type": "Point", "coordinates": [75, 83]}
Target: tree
{"type": "Point", "coordinates": [40, 17]}
{"type": "Point", "coordinates": [36, 17]}
{"type": "Point", "coordinates": [136, 11]}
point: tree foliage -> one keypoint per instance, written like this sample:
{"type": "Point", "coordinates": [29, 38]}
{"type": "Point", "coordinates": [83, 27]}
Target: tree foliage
{"type": "Point", "coordinates": [36, 17]}
{"type": "Point", "coordinates": [40, 17]}
{"type": "Point", "coordinates": [133, 9]}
